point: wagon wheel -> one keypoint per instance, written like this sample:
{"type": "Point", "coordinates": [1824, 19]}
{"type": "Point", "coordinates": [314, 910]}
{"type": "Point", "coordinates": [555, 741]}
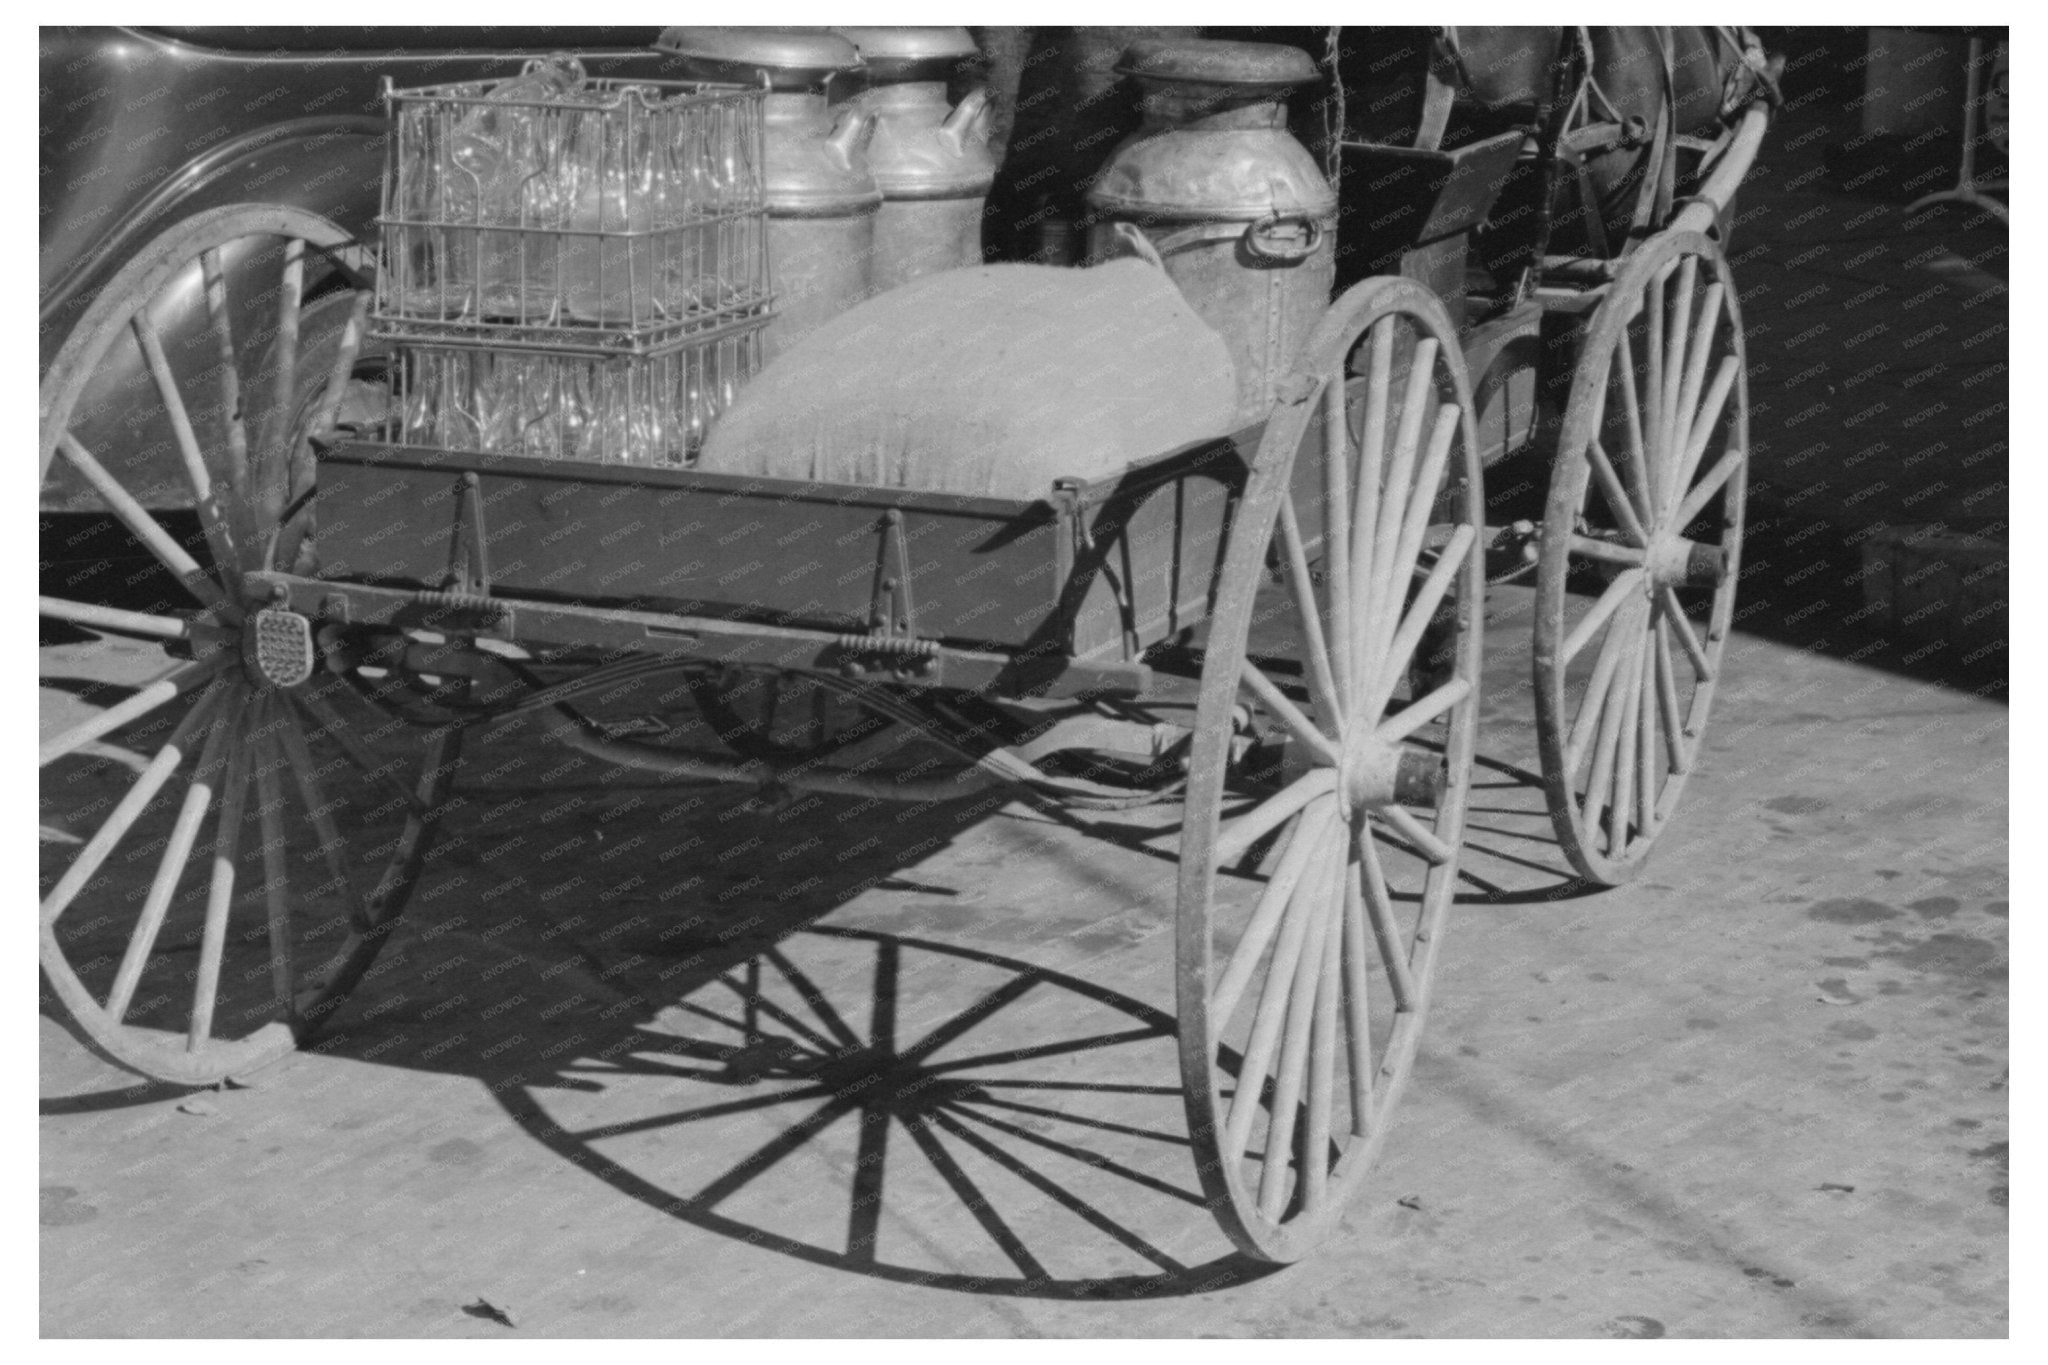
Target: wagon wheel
{"type": "Point", "coordinates": [184, 958]}
{"type": "Point", "coordinates": [1302, 996]}
{"type": "Point", "coordinates": [1658, 419]}
{"type": "Point", "coordinates": [778, 716]}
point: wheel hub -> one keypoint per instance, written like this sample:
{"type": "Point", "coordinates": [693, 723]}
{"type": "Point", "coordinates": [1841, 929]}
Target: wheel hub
{"type": "Point", "coordinates": [1367, 777]}
{"type": "Point", "coordinates": [1675, 562]}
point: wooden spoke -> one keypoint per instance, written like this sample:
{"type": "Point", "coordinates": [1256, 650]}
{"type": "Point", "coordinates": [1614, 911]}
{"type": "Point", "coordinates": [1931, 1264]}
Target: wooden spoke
{"type": "Point", "coordinates": [1289, 714]}
{"type": "Point", "coordinates": [1667, 700]}
{"type": "Point", "coordinates": [1371, 471]}
{"type": "Point", "coordinates": [1607, 551]}
{"type": "Point", "coordinates": [145, 527]}
{"type": "Point", "coordinates": [1420, 612]}
{"type": "Point", "coordinates": [1627, 764]}
{"type": "Point", "coordinates": [285, 378]}
{"type": "Point", "coordinates": [1653, 380]}
{"type": "Point", "coordinates": [113, 618]}
{"type": "Point", "coordinates": [1413, 717]}
{"type": "Point", "coordinates": [1267, 1023]}
{"type": "Point", "coordinates": [1616, 496]}
{"type": "Point", "coordinates": [1379, 905]}
{"type": "Point", "coordinates": [220, 891]}
{"type": "Point", "coordinates": [1324, 684]}
{"type": "Point", "coordinates": [1322, 1044]}
{"type": "Point", "coordinates": [276, 867]}
{"type": "Point", "coordinates": [1688, 405]}
{"type": "Point", "coordinates": [320, 811]}
{"type": "Point", "coordinates": [1701, 434]}
{"type": "Point", "coordinates": [1418, 835]}
{"type": "Point", "coordinates": [177, 853]}
{"type": "Point", "coordinates": [1669, 390]}
{"type": "Point", "coordinates": [1609, 743]}
{"type": "Point", "coordinates": [1408, 553]}
{"type": "Point", "coordinates": [124, 815]}
{"type": "Point", "coordinates": [1646, 746]}
{"type": "Point", "coordinates": [1306, 839]}
{"type": "Point", "coordinates": [1269, 814]}
{"type": "Point", "coordinates": [147, 699]}
{"type": "Point", "coordinates": [1357, 1014]}
{"type": "Point", "coordinates": [1388, 588]}
{"type": "Point", "coordinates": [1703, 492]}
{"type": "Point", "coordinates": [1599, 691]}
{"type": "Point", "coordinates": [1627, 582]}
{"type": "Point", "coordinates": [1667, 599]}
{"type": "Point", "coordinates": [220, 536]}
{"type": "Point", "coordinates": [1638, 462]}
{"type": "Point", "coordinates": [344, 368]}
{"type": "Point", "coordinates": [1296, 1042]}
{"type": "Point", "coordinates": [1336, 533]}
{"type": "Point", "coordinates": [237, 452]}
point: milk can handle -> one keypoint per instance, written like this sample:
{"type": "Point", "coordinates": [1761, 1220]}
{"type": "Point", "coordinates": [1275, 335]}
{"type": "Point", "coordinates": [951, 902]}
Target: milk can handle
{"type": "Point", "coordinates": [968, 119]}
{"type": "Point", "coordinates": [1260, 243]}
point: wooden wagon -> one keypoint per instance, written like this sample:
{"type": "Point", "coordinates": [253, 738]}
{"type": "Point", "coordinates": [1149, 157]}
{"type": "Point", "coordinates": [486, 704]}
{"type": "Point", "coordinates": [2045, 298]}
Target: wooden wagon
{"type": "Point", "coordinates": [1285, 623]}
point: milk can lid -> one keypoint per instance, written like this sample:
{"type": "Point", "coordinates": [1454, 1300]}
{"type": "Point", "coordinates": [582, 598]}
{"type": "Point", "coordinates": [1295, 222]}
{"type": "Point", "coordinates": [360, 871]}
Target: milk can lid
{"type": "Point", "coordinates": [909, 51]}
{"type": "Point", "coordinates": [806, 54]}
{"type": "Point", "coordinates": [1215, 61]}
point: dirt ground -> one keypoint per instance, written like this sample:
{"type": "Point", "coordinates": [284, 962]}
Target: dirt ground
{"type": "Point", "coordinates": [1759, 1092]}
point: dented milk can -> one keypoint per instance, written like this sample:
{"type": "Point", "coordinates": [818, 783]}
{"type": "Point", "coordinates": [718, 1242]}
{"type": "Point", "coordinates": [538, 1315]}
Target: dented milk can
{"type": "Point", "coordinates": [931, 159]}
{"type": "Point", "coordinates": [1236, 207]}
{"type": "Point", "coordinates": [822, 198]}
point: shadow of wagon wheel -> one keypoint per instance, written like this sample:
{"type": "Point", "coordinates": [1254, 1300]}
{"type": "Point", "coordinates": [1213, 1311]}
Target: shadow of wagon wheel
{"type": "Point", "coordinates": [962, 1121]}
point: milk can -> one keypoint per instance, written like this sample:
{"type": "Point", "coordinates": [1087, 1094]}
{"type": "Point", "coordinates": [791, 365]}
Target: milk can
{"type": "Point", "coordinates": [930, 159]}
{"type": "Point", "coordinates": [1237, 208]}
{"type": "Point", "coordinates": [822, 198]}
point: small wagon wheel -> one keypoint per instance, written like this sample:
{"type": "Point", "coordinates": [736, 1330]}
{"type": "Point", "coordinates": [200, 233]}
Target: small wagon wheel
{"type": "Point", "coordinates": [201, 372]}
{"type": "Point", "coordinates": [1302, 995]}
{"type": "Point", "coordinates": [1658, 421]}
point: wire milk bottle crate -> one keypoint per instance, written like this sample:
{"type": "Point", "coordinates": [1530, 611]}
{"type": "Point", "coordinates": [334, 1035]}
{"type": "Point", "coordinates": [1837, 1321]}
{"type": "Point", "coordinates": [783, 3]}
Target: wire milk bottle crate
{"type": "Point", "coordinates": [556, 210]}
{"type": "Point", "coordinates": [653, 409]}
{"type": "Point", "coordinates": [571, 268]}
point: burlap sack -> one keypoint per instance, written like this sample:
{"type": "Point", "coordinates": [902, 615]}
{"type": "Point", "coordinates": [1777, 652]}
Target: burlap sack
{"type": "Point", "coordinates": [989, 380]}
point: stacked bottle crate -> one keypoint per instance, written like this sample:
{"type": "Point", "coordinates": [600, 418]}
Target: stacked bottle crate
{"type": "Point", "coordinates": [572, 268]}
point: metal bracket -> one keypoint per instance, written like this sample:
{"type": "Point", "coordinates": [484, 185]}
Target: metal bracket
{"type": "Point", "coordinates": [469, 564]}
{"type": "Point", "coordinates": [891, 614]}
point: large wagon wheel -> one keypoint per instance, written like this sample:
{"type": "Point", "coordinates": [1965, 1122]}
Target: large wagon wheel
{"type": "Point", "coordinates": [185, 959]}
{"type": "Point", "coordinates": [1302, 996]}
{"type": "Point", "coordinates": [1658, 421]}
